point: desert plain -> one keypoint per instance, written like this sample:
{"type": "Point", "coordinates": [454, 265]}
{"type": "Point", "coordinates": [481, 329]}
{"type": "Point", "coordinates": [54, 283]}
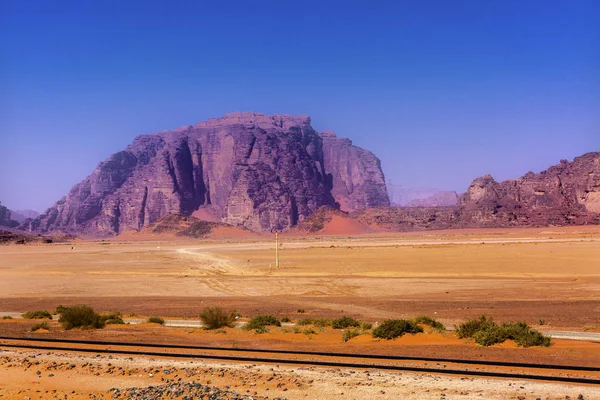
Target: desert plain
{"type": "Point", "coordinates": [546, 277]}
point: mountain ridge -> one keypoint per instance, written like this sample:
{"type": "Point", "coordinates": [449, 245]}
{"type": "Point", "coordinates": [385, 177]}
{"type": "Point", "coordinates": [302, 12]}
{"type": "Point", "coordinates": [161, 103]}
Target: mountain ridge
{"type": "Point", "coordinates": [262, 172]}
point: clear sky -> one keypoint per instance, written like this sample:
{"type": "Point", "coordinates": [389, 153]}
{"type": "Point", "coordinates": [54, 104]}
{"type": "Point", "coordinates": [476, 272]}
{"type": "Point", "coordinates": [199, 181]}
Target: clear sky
{"type": "Point", "coordinates": [442, 91]}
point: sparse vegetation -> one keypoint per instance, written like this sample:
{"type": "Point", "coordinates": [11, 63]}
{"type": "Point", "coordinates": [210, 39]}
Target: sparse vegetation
{"type": "Point", "coordinates": [80, 316]}
{"type": "Point", "coordinates": [156, 320]}
{"type": "Point", "coordinates": [59, 310]}
{"type": "Point", "coordinates": [344, 322]}
{"type": "Point", "coordinates": [485, 332]}
{"type": "Point", "coordinates": [216, 317]}
{"type": "Point", "coordinates": [41, 325]}
{"type": "Point", "coordinates": [301, 311]}
{"type": "Point", "coordinates": [468, 329]}
{"type": "Point", "coordinates": [113, 318]}
{"type": "Point", "coordinates": [365, 326]}
{"type": "Point", "coordinates": [433, 323]}
{"type": "Point", "coordinates": [285, 319]}
{"type": "Point", "coordinates": [221, 331]}
{"type": "Point", "coordinates": [39, 314]}
{"type": "Point", "coordinates": [309, 331]}
{"type": "Point", "coordinates": [350, 333]}
{"type": "Point", "coordinates": [7, 317]}
{"type": "Point", "coordinates": [318, 322]}
{"type": "Point", "coordinates": [541, 322]}
{"type": "Point", "coordinates": [260, 322]}
{"type": "Point", "coordinates": [394, 328]}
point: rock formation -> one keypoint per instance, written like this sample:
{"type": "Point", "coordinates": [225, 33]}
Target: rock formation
{"type": "Point", "coordinates": [565, 194]}
{"type": "Point", "coordinates": [253, 170]}
{"type": "Point", "coordinates": [6, 218]}
{"type": "Point", "coordinates": [22, 215]}
{"type": "Point", "coordinates": [355, 174]}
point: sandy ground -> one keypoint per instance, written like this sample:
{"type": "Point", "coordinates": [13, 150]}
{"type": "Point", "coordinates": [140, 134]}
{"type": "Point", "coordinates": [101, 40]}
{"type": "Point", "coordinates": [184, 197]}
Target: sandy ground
{"type": "Point", "coordinates": [554, 276]}
{"type": "Point", "coordinates": [42, 375]}
{"type": "Point", "coordinates": [546, 277]}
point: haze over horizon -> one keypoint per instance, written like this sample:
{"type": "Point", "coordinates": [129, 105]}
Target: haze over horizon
{"type": "Point", "coordinates": [441, 92]}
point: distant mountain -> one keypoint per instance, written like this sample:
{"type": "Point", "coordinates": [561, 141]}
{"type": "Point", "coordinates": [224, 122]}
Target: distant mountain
{"type": "Point", "coordinates": [22, 215]}
{"type": "Point", "coordinates": [252, 170]}
{"type": "Point", "coordinates": [564, 194]}
{"type": "Point", "coordinates": [401, 196]}
{"type": "Point", "coordinates": [6, 218]}
{"type": "Point", "coordinates": [438, 199]}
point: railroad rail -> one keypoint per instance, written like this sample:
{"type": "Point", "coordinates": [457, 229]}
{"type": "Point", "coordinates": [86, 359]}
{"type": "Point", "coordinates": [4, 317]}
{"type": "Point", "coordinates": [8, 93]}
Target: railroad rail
{"type": "Point", "coordinates": [494, 369]}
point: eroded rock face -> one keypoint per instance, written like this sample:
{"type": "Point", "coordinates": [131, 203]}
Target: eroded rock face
{"type": "Point", "coordinates": [258, 171]}
{"type": "Point", "coordinates": [355, 174]}
{"type": "Point", "coordinates": [5, 218]}
{"type": "Point", "coordinates": [567, 193]}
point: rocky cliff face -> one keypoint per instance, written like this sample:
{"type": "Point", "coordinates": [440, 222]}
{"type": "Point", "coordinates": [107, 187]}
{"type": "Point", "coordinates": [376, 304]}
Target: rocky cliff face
{"type": "Point", "coordinates": [253, 170]}
{"type": "Point", "coordinates": [567, 193]}
{"type": "Point", "coordinates": [354, 174]}
{"type": "Point", "coordinates": [5, 218]}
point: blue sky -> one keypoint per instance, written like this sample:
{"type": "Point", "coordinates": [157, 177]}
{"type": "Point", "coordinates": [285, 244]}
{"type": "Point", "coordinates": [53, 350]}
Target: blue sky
{"type": "Point", "coordinates": [442, 91]}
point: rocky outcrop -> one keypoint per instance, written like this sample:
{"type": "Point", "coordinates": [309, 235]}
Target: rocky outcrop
{"type": "Point", "coordinates": [6, 218]}
{"type": "Point", "coordinates": [406, 219]}
{"type": "Point", "coordinates": [565, 194]}
{"type": "Point", "coordinates": [354, 174]}
{"type": "Point", "coordinates": [253, 170]}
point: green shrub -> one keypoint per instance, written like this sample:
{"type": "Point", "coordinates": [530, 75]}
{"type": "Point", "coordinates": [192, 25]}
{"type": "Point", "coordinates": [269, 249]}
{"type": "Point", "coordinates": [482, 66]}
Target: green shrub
{"type": "Point", "coordinates": [365, 326]}
{"type": "Point", "coordinates": [393, 328]}
{"type": "Point", "coordinates": [301, 311]}
{"type": "Point", "coordinates": [350, 333]}
{"type": "Point", "coordinates": [524, 336]}
{"type": "Point", "coordinates": [113, 318]}
{"type": "Point", "coordinates": [468, 329]}
{"type": "Point", "coordinates": [216, 317]}
{"type": "Point", "coordinates": [425, 320]}
{"type": "Point", "coordinates": [486, 332]}
{"type": "Point", "coordinates": [309, 331]}
{"type": "Point", "coordinates": [41, 325]}
{"type": "Point", "coordinates": [7, 317]}
{"type": "Point", "coordinates": [285, 319]}
{"type": "Point", "coordinates": [81, 316]}
{"type": "Point", "coordinates": [59, 310]}
{"type": "Point", "coordinates": [321, 322]}
{"type": "Point", "coordinates": [318, 322]}
{"type": "Point", "coordinates": [156, 320]}
{"type": "Point", "coordinates": [344, 322]}
{"type": "Point", "coordinates": [39, 314]}
{"type": "Point", "coordinates": [261, 321]}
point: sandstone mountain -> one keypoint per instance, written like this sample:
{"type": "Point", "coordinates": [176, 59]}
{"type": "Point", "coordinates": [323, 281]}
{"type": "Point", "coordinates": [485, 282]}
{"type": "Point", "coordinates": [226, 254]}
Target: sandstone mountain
{"type": "Point", "coordinates": [245, 169]}
{"type": "Point", "coordinates": [565, 194]}
{"type": "Point", "coordinates": [22, 215]}
{"type": "Point", "coordinates": [6, 219]}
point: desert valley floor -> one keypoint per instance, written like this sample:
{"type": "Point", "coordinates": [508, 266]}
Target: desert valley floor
{"type": "Point", "coordinates": [549, 278]}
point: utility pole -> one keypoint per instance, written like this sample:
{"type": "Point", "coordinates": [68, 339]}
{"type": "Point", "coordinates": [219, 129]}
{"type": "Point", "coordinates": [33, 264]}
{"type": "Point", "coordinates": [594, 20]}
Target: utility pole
{"type": "Point", "coordinates": [276, 250]}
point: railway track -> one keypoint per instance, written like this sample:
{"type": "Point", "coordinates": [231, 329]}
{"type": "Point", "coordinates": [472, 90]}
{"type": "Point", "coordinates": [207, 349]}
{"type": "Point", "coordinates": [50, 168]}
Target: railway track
{"type": "Point", "coordinates": [467, 368]}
